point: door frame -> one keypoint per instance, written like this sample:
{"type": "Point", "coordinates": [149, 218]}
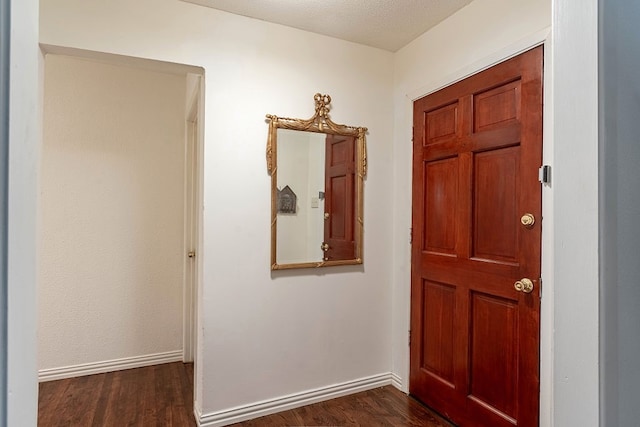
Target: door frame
{"type": "Point", "coordinates": [194, 111]}
{"type": "Point", "coordinates": [542, 37]}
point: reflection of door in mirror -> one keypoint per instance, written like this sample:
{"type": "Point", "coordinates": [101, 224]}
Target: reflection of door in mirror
{"type": "Point", "coordinates": [340, 169]}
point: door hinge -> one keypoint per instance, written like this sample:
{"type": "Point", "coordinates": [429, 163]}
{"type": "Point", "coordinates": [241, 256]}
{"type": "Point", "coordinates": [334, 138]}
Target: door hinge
{"type": "Point", "coordinates": [411, 235]}
{"type": "Point", "coordinates": [544, 174]}
{"type": "Point", "coordinates": [409, 337]}
{"type": "Point", "coordinates": [413, 132]}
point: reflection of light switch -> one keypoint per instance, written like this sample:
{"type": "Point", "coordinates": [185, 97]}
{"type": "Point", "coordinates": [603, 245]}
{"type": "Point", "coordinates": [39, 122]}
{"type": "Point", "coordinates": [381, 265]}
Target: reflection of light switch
{"type": "Point", "coordinates": [314, 202]}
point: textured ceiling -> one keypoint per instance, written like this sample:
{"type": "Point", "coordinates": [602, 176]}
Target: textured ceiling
{"type": "Point", "coordinates": [386, 24]}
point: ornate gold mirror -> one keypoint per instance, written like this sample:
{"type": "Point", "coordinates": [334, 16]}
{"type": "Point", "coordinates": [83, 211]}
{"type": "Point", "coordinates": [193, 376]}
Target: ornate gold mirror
{"type": "Point", "coordinates": [317, 170]}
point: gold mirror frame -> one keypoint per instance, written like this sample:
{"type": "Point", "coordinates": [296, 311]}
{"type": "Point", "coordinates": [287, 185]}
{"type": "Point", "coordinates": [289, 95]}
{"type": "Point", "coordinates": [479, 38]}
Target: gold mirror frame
{"type": "Point", "coordinates": [319, 123]}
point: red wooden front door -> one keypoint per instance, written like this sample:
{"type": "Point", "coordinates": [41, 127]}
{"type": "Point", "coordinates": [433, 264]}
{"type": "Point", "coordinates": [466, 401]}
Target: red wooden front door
{"type": "Point", "coordinates": [474, 328]}
{"type": "Point", "coordinates": [340, 170]}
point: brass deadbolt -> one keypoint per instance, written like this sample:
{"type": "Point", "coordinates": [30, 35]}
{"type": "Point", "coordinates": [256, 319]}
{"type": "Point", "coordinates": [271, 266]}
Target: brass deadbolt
{"type": "Point", "coordinates": [528, 220]}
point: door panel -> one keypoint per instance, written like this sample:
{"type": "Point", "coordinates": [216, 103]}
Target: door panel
{"type": "Point", "coordinates": [441, 124]}
{"type": "Point", "coordinates": [497, 107]}
{"type": "Point", "coordinates": [491, 380]}
{"type": "Point", "coordinates": [441, 188]}
{"type": "Point", "coordinates": [477, 150]}
{"type": "Point", "coordinates": [337, 197]}
{"type": "Point", "coordinates": [495, 205]}
{"type": "Point", "coordinates": [438, 335]}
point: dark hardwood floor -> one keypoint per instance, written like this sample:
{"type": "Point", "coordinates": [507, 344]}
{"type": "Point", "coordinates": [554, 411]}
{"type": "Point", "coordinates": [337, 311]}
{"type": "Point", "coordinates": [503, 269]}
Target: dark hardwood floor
{"type": "Point", "coordinates": [384, 406]}
{"type": "Point", "coordinates": [159, 395]}
{"type": "Point", "coordinates": [162, 395]}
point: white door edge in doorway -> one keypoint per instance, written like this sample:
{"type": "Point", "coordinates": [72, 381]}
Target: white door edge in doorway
{"type": "Point", "coordinates": [193, 150]}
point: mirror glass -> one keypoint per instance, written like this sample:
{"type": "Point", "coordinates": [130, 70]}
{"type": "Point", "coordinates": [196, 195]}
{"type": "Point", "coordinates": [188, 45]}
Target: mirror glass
{"type": "Point", "coordinates": [317, 169]}
{"type": "Point", "coordinates": [300, 230]}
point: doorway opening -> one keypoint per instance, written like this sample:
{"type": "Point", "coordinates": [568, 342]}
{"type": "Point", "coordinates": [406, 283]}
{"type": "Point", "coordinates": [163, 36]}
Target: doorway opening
{"type": "Point", "coordinates": [120, 208]}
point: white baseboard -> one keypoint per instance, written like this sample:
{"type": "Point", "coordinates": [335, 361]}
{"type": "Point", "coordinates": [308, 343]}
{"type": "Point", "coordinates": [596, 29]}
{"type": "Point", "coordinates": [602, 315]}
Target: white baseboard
{"type": "Point", "coordinates": [396, 381]}
{"type": "Point", "coordinates": [272, 406]}
{"type": "Point", "coordinates": [108, 366]}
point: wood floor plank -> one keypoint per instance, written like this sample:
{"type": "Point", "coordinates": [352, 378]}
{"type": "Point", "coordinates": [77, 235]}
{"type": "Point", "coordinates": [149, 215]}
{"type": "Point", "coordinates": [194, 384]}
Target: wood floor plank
{"type": "Point", "coordinates": [104, 397]}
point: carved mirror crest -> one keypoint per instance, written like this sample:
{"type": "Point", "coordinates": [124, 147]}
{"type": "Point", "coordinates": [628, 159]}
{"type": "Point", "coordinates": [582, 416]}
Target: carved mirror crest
{"type": "Point", "coordinates": [326, 164]}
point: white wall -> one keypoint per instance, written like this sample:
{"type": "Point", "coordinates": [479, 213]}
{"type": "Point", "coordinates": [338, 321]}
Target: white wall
{"type": "Point", "coordinates": [24, 146]}
{"type": "Point", "coordinates": [479, 35]}
{"type": "Point", "coordinates": [318, 327]}
{"type": "Point", "coordinates": [112, 185]}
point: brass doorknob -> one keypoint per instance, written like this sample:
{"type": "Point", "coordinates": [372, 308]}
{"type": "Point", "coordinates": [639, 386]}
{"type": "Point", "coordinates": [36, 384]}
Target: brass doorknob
{"type": "Point", "coordinates": [527, 220]}
{"type": "Point", "coordinates": [326, 215]}
{"type": "Point", "coordinates": [324, 247]}
{"type": "Point", "coordinates": [524, 285]}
